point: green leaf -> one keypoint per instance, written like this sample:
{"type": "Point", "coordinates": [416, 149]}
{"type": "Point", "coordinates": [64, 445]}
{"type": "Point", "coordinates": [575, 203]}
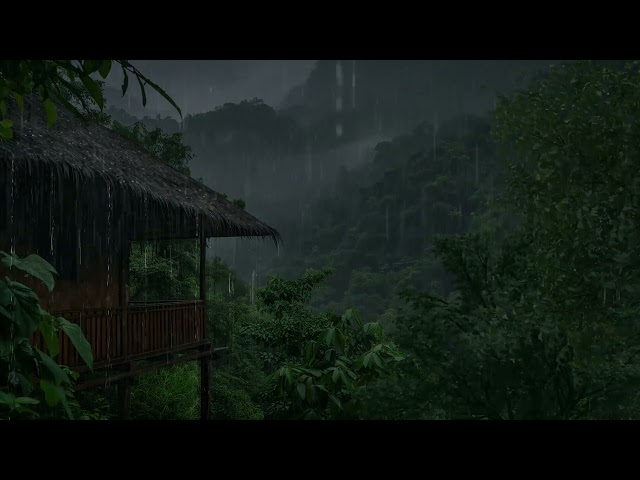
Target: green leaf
{"type": "Point", "coordinates": [19, 100]}
{"type": "Point", "coordinates": [329, 337]}
{"type": "Point", "coordinates": [162, 93]}
{"type": "Point", "coordinates": [33, 265]}
{"type": "Point", "coordinates": [340, 342]}
{"type": "Point", "coordinates": [301, 390]}
{"type": "Point", "coordinates": [377, 360]}
{"type": "Point", "coordinates": [309, 351]}
{"type": "Point", "coordinates": [53, 368]}
{"type": "Point", "coordinates": [6, 129]}
{"type": "Point", "coordinates": [5, 293]}
{"type": "Point", "coordinates": [50, 110]}
{"type": "Point", "coordinates": [366, 360]}
{"type": "Point", "coordinates": [55, 394]}
{"type": "Point", "coordinates": [89, 66]}
{"type": "Point", "coordinates": [7, 398]}
{"type": "Point", "coordinates": [22, 293]}
{"type": "Point", "coordinates": [25, 383]}
{"type": "Point", "coordinates": [94, 90]}
{"type": "Point", "coordinates": [105, 68]}
{"type": "Point", "coordinates": [144, 94]}
{"type": "Point", "coordinates": [352, 315]}
{"type": "Point", "coordinates": [25, 308]}
{"type": "Point", "coordinates": [78, 340]}
{"type": "Point", "coordinates": [27, 401]}
{"type": "Point", "coordinates": [49, 334]}
{"type": "Point", "coordinates": [336, 401]}
{"type": "Point", "coordinates": [125, 82]}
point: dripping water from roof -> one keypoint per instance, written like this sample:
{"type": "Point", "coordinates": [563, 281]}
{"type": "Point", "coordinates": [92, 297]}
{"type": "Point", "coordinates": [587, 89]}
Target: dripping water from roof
{"type": "Point", "coordinates": [108, 280]}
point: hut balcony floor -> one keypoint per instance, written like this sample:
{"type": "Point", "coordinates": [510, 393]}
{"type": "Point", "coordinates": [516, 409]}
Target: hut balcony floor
{"type": "Point", "coordinates": [137, 332]}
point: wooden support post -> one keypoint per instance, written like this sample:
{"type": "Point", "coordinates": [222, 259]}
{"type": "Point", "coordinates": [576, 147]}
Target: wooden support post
{"type": "Point", "coordinates": [124, 394]}
{"type": "Point", "coordinates": [205, 365]}
{"type": "Point", "coordinates": [124, 398]}
{"type": "Point", "coordinates": [203, 262]}
{"type": "Point", "coordinates": [125, 250]}
{"type": "Point", "coordinates": [205, 362]}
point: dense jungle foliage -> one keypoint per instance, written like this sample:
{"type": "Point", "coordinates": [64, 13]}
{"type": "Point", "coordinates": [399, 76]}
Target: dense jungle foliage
{"type": "Point", "coordinates": [481, 268]}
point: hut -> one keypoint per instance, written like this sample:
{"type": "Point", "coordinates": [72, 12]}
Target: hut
{"type": "Point", "coordinates": [78, 194]}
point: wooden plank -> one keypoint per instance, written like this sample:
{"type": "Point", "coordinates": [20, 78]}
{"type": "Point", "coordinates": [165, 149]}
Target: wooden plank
{"type": "Point", "coordinates": [145, 356]}
{"type": "Point", "coordinates": [151, 328]}
{"type": "Point", "coordinates": [119, 376]}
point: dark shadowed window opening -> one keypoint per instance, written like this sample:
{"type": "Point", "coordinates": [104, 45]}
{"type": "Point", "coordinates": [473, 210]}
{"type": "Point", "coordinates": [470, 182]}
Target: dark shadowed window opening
{"type": "Point", "coordinates": [165, 270]}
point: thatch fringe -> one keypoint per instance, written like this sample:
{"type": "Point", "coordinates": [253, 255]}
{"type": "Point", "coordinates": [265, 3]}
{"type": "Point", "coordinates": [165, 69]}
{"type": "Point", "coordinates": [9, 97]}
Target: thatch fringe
{"type": "Point", "coordinates": [78, 151]}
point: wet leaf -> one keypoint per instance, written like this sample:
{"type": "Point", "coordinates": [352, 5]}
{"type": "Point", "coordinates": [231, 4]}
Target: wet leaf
{"type": "Point", "coordinates": [55, 394]}
{"type": "Point", "coordinates": [33, 265]}
{"type": "Point", "coordinates": [19, 99]}
{"type": "Point", "coordinates": [6, 129]}
{"type": "Point", "coordinates": [78, 340]}
{"type": "Point", "coordinates": [50, 110]}
{"type": "Point", "coordinates": [53, 368]}
{"type": "Point", "coordinates": [94, 90]}
{"type": "Point", "coordinates": [125, 82]}
{"type": "Point", "coordinates": [50, 335]}
{"type": "Point", "coordinates": [301, 390]}
{"type": "Point", "coordinates": [105, 68]}
{"type": "Point", "coordinates": [142, 92]}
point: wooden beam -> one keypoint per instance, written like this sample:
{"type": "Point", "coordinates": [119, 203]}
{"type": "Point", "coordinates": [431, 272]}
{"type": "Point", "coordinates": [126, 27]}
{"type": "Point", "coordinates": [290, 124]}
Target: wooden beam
{"type": "Point", "coordinates": [146, 356]}
{"type": "Point", "coordinates": [97, 382]}
{"type": "Point", "coordinates": [205, 366]}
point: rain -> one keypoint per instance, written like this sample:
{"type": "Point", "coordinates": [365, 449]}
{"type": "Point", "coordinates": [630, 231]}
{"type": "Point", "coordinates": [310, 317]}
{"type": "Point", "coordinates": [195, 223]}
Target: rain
{"type": "Point", "coordinates": [238, 250]}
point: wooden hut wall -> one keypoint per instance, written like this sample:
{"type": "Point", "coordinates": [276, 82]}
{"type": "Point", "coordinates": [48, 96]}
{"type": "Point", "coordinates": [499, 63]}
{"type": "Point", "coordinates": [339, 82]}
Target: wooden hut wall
{"type": "Point", "coordinates": [76, 224]}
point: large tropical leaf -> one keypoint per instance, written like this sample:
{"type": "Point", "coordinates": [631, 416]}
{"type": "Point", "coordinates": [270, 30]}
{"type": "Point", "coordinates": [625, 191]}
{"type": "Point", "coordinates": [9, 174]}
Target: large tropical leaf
{"type": "Point", "coordinates": [78, 340]}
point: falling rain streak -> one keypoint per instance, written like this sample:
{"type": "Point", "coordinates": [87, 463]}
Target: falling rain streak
{"type": "Point", "coordinates": [360, 190]}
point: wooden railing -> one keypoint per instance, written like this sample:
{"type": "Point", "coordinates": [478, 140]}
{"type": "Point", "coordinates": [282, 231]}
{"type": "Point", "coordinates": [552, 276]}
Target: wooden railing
{"type": "Point", "coordinates": [150, 329]}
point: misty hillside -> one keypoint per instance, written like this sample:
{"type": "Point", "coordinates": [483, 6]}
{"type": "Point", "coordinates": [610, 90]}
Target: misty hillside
{"type": "Point", "coordinates": [392, 96]}
{"type": "Point", "coordinates": [334, 240]}
{"type": "Point", "coordinates": [282, 161]}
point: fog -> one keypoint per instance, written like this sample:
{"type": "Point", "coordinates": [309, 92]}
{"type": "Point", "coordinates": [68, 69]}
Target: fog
{"type": "Point", "coordinates": [199, 86]}
{"type": "Point", "coordinates": [287, 135]}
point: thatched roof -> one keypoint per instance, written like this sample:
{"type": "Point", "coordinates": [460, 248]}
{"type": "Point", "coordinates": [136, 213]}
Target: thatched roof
{"type": "Point", "coordinates": [77, 148]}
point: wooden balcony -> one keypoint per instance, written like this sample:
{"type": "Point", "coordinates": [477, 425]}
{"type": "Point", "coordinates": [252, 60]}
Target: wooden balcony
{"type": "Point", "coordinates": [143, 330]}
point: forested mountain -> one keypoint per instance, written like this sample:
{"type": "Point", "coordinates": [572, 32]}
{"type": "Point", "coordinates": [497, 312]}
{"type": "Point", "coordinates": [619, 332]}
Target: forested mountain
{"type": "Point", "coordinates": [481, 263]}
{"type": "Point", "coordinates": [393, 96]}
{"type": "Point", "coordinates": [374, 226]}
{"type": "Point", "coordinates": [288, 163]}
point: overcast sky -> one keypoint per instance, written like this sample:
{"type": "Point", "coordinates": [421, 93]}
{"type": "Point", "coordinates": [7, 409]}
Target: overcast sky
{"type": "Point", "coordinates": [200, 85]}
